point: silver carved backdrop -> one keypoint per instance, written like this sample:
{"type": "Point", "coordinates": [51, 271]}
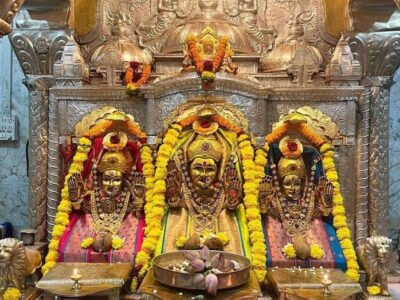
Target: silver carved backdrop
{"type": "Point", "coordinates": [284, 62]}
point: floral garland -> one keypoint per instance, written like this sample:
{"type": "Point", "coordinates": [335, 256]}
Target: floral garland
{"type": "Point", "coordinates": [373, 290]}
{"type": "Point", "coordinates": [316, 252]}
{"type": "Point", "coordinates": [206, 69]}
{"type": "Point", "coordinates": [104, 126]}
{"type": "Point", "coordinates": [339, 219]}
{"type": "Point", "coordinates": [222, 236]}
{"type": "Point", "coordinates": [12, 294]}
{"type": "Point", "coordinates": [338, 212]}
{"type": "Point", "coordinates": [64, 208]}
{"type": "Point", "coordinates": [252, 177]}
{"type": "Point", "coordinates": [216, 118]}
{"type": "Point", "coordinates": [132, 85]}
{"type": "Point", "coordinates": [155, 197]}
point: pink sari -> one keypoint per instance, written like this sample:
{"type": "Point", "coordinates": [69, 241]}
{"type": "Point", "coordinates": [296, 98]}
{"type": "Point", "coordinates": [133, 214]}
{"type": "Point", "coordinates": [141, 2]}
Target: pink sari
{"type": "Point", "coordinates": [81, 227]}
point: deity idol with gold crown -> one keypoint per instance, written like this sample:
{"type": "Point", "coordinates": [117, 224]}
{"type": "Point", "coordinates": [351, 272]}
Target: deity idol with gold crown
{"type": "Point", "coordinates": [106, 193]}
{"type": "Point", "coordinates": [303, 215]}
{"type": "Point", "coordinates": [204, 187]}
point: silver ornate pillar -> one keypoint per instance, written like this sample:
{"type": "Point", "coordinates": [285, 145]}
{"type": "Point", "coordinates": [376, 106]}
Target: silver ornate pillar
{"type": "Point", "coordinates": [362, 170]}
{"type": "Point", "coordinates": [37, 51]}
{"type": "Point", "coordinates": [379, 156]}
{"type": "Point", "coordinates": [38, 88]}
{"type": "Point", "coordinates": [379, 56]}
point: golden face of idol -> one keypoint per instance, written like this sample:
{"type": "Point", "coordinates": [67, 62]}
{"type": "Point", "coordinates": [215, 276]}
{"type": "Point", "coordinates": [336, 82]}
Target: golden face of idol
{"type": "Point", "coordinates": [203, 172]}
{"type": "Point", "coordinates": [291, 185]}
{"type": "Point", "coordinates": [111, 182]}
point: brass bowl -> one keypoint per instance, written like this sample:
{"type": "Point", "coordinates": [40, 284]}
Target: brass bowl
{"type": "Point", "coordinates": [185, 280]}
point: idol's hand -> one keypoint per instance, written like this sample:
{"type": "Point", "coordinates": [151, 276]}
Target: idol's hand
{"type": "Point", "coordinates": [325, 196]}
{"type": "Point", "coordinates": [266, 194]}
{"type": "Point", "coordinates": [75, 187]}
{"type": "Point", "coordinates": [233, 194]}
{"type": "Point", "coordinates": [139, 187]}
{"type": "Point", "coordinates": [174, 184]}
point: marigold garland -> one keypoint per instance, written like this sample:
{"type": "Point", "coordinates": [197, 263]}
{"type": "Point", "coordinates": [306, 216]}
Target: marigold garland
{"type": "Point", "coordinates": [316, 252]}
{"type": "Point", "coordinates": [132, 86]}
{"type": "Point", "coordinates": [117, 243]}
{"type": "Point", "coordinates": [277, 134]}
{"type": "Point", "coordinates": [339, 219]}
{"type": "Point", "coordinates": [373, 290]}
{"type": "Point", "coordinates": [252, 179]}
{"type": "Point", "coordinates": [12, 294]}
{"type": "Point", "coordinates": [206, 74]}
{"type": "Point", "coordinates": [87, 242]}
{"type": "Point", "coordinates": [65, 206]}
{"type": "Point", "coordinates": [289, 251]}
{"type": "Point", "coordinates": [155, 197]}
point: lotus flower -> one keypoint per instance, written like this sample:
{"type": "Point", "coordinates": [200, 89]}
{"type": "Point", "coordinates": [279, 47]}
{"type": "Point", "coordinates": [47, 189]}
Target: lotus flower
{"type": "Point", "coordinates": [200, 261]}
{"type": "Point", "coordinates": [211, 282]}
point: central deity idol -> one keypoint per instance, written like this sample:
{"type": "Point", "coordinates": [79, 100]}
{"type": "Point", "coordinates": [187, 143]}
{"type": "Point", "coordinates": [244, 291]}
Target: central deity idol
{"type": "Point", "coordinates": [204, 191]}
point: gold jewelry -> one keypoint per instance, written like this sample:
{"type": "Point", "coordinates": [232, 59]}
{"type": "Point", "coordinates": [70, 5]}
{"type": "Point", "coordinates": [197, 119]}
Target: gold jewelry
{"type": "Point", "coordinates": [291, 166]}
{"type": "Point", "coordinates": [296, 220]}
{"type": "Point", "coordinates": [204, 213]}
{"type": "Point", "coordinates": [114, 161]}
{"type": "Point", "coordinates": [205, 147]}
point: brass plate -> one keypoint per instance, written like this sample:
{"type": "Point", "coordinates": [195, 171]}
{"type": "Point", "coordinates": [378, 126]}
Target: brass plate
{"type": "Point", "coordinates": [156, 290]}
{"type": "Point", "coordinates": [185, 280]}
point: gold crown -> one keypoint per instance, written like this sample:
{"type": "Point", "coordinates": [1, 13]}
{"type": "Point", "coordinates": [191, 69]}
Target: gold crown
{"type": "Point", "coordinates": [114, 161]}
{"type": "Point", "coordinates": [291, 166]}
{"type": "Point", "coordinates": [205, 147]}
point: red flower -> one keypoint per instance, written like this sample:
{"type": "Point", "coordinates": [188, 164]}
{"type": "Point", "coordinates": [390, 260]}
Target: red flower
{"type": "Point", "coordinates": [205, 124]}
{"type": "Point", "coordinates": [134, 64]}
{"type": "Point", "coordinates": [292, 146]}
{"type": "Point", "coordinates": [233, 193]}
{"type": "Point", "coordinates": [114, 139]}
{"type": "Point", "coordinates": [208, 65]}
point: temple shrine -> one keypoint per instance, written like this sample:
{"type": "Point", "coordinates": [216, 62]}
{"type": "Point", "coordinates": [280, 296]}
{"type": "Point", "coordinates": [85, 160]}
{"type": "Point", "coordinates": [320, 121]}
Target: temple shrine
{"type": "Point", "coordinates": [201, 149]}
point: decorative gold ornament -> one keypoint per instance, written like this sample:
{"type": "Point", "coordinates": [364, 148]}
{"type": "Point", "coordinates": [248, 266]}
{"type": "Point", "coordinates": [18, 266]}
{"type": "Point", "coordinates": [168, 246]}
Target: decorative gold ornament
{"type": "Point", "coordinates": [376, 256]}
{"type": "Point", "coordinates": [207, 105]}
{"type": "Point", "coordinates": [291, 166]}
{"type": "Point", "coordinates": [205, 147]}
{"type": "Point", "coordinates": [319, 122]}
{"type": "Point", "coordinates": [115, 141]}
{"type": "Point", "coordinates": [107, 119]}
{"type": "Point", "coordinates": [114, 161]}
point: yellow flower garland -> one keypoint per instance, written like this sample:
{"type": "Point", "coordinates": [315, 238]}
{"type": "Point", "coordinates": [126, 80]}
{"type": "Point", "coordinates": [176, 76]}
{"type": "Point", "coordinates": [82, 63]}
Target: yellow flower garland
{"type": "Point", "coordinates": [155, 196]}
{"type": "Point", "coordinates": [61, 220]}
{"type": "Point", "coordinates": [252, 174]}
{"type": "Point", "coordinates": [12, 294]}
{"type": "Point", "coordinates": [339, 219]}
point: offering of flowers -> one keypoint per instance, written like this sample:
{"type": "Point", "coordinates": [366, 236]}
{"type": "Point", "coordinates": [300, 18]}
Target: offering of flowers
{"type": "Point", "coordinates": [206, 267]}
